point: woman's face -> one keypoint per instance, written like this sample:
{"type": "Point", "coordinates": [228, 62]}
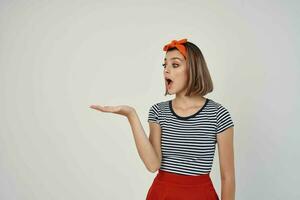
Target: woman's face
{"type": "Point", "coordinates": [175, 69]}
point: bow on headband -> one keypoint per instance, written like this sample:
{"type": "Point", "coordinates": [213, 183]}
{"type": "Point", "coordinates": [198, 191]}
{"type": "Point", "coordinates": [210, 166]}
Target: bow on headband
{"type": "Point", "coordinates": [178, 44]}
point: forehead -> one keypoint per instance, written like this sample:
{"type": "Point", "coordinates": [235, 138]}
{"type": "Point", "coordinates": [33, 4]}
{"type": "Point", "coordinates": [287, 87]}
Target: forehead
{"type": "Point", "coordinates": [174, 55]}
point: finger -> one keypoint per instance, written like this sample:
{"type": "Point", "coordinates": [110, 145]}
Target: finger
{"type": "Point", "coordinates": [102, 108]}
{"type": "Point", "coordinates": [98, 107]}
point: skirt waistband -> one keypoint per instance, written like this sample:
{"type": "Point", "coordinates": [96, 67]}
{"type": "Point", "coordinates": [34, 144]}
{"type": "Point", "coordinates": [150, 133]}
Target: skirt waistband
{"type": "Point", "coordinates": [175, 178]}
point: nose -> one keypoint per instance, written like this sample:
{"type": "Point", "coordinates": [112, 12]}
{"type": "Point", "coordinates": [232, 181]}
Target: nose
{"type": "Point", "coordinates": [166, 71]}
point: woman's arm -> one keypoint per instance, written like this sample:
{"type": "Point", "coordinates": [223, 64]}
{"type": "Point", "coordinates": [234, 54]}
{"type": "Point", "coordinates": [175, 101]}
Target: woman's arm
{"type": "Point", "coordinates": [150, 156]}
{"type": "Point", "coordinates": [226, 160]}
{"type": "Point", "coordinates": [148, 149]}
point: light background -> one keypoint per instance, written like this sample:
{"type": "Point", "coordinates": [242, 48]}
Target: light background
{"type": "Point", "coordinates": [58, 57]}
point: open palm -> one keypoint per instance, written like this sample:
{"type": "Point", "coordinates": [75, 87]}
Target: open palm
{"type": "Point", "coordinates": [119, 109]}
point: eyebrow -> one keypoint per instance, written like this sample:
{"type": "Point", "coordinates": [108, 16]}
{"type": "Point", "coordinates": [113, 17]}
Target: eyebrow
{"type": "Point", "coordinates": [175, 58]}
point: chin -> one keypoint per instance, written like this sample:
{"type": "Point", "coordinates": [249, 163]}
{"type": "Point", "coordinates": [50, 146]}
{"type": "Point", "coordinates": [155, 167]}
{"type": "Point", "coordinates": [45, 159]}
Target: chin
{"type": "Point", "coordinates": [171, 92]}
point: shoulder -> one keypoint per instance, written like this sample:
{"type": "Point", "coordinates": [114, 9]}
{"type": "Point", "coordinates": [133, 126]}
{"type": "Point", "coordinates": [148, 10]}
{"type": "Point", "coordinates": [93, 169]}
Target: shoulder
{"type": "Point", "coordinates": [156, 111]}
{"type": "Point", "coordinates": [160, 106]}
{"type": "Point", "coordinates": [216, 104]}
{"type": "Point", "coordinates": [217, 107]}
{"type": "Point", "coordinates": [222, 116]}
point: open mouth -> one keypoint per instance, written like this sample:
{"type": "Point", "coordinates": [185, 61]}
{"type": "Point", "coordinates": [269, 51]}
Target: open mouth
{"type": "Point", "coordinates": [169, 82]}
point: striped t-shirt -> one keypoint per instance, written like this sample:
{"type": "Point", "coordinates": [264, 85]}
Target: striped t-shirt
{"type": "Point", "coordinates": [188, 142]}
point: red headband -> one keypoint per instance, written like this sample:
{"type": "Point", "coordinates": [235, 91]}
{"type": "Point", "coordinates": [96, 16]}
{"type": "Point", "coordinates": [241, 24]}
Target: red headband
{"type": "Point", "coordinates": [178, 44]}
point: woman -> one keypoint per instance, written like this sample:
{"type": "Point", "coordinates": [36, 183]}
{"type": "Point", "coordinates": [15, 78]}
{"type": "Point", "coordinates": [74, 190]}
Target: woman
{"type": "Point", "coordinates": [184, 131]}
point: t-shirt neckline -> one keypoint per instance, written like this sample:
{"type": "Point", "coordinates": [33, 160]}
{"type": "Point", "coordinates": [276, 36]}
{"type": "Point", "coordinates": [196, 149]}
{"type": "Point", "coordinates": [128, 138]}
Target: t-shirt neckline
{"type": "Point", "coordinates": [190, 116]}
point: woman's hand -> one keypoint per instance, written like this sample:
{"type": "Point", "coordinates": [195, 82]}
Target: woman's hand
{"type": "Point", "coordinates": [120, 109]}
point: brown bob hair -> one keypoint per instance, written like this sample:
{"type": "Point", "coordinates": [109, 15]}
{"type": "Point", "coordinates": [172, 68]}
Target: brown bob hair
{"type": "Point", "coordinates": [199, 79]}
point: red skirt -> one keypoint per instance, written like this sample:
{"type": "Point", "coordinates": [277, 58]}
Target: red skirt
{"type": "Point", "coordinates": [172, 186]}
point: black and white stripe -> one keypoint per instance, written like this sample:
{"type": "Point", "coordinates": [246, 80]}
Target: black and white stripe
{"type": "Point", "coordinates": [188, 143]}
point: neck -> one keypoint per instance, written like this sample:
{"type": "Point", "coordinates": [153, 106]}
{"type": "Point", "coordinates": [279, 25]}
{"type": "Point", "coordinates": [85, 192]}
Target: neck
{"type": "Point", "coordinates": [187, 101]}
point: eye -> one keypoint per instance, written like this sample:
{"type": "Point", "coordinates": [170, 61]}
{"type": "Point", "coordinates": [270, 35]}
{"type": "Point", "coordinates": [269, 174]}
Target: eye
{"type": "Point", "coordinates": [174, 65]}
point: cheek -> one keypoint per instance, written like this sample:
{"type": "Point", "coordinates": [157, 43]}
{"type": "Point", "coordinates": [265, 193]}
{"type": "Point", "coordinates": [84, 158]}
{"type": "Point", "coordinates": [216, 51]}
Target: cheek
{"type": "Point", "coordinates": [182, 79]}
{"type": "Point", "coordinates": [184, 75]}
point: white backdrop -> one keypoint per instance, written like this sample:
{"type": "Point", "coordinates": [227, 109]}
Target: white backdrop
{"type": "Point", "coordinates": [58, 57]}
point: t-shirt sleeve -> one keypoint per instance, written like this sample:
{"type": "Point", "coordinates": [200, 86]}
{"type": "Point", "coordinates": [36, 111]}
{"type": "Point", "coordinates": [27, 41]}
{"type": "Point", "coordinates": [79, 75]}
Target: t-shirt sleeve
{"type": "Point", "coordinates": [224, 120]}
{"type": "Point", "coordinates": [153, 114]}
